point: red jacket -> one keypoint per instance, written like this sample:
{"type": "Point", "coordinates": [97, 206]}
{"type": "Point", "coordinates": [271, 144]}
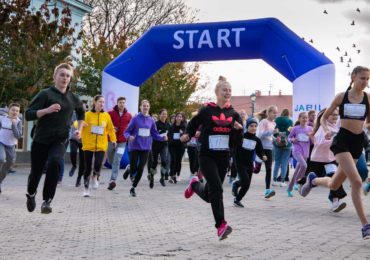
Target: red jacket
{"type": "Point", "coordinates": [120, 122]}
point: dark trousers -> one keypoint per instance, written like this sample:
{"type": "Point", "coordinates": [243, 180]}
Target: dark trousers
{"type": "Point", "coordinates": [233, 168]}
{"type": "Point", "coordinates": [138, 160]}
{"type": "Point", "coordinates": [245, 172]}
{"type": "Point", "coordinates": [176, 152]}
{"type": "Point", "coordinates": [193, 159]}
{"type": "Point", "coordinates": [157, 151]}
{"type": "Point", "coordinates": [98, 161]}
{"type": "Point", "coordinates": [40, 154]}
{"type": "Point", "coordinates": [214, 168]}
{"type": "Point", "coordinates": [268, 166]}
{"type": "Point", "coordinates": [74, 148]}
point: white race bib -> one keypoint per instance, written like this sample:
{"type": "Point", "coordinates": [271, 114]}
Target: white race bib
{"type": "Point", "coordinates": [303, 138]}
{"type": "Point", "coordinates": [121, 150]}
{"type": "Point", "coordinates": [330, 168]}
{"type": "Point", "coordinates": [144, 132]}
{"type": "Point", "coordinates": [98, 130]}
{"type": "Point", "coordinates": [249, 144]}
{"type": "Point", "coordinates": [176, 136]}
{"type": "Point", "coordinates": [218, 142]}
{"type": "Point", "coordinates": [354, 110]}
{"type": "Point", "coordinates": [6, 124]}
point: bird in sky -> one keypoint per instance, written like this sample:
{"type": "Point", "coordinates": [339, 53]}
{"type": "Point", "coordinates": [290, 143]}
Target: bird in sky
{"type": "Point", "coordinates": [349, 60]}
{"type": "Point", "coordinates": [353, 22]}
{"type": "Point", "coordinates": [348, 65]}
{"type": "Point", "coordinates": [345, 54]}
{"type": "Point", "coordinates": [325, 12]}
{"type": "Point", "coordinates": [358, 51]}
{"type": "Point", "coordinates": [358, 10]}
{"type": "Point", "coordinates": [338, 49]}
{"type": "Point", "coordinates": [311, 41]}
{"type": "Point", "coordinates": [354, 45]}
{"type": "Point", "coordinates": [341, 59]}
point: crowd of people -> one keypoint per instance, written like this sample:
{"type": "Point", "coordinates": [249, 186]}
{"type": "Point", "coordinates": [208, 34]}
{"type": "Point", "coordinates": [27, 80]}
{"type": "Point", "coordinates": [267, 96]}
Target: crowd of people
{"type": "Point", "coordinates": [325, 149]}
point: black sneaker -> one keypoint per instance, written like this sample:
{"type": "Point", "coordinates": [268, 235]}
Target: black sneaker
{"type": "Point", "coordinates": [166, 177]}
{"type": "Point", "coordinates": [31, 202]}
{"type": "Point", "coordinates": [238, 204]}
{"type": "Point", "coordinates": [161, 181]}
{"type": "Point", "coordinates": [234, 189]}
{"type": "Point", "coordinates": [78, 182]}
{"type": "Point", "coordinates": [127, 172]}
{"type": "Point", "coordinates": [151, 180]}
{"type": "Point", "coordinates": [72, 171]}
{"type": "Point", "coordinates": [45, 207]}
{"type": "Point", "coordinates": [174, 180]}
{"type": "Point", "coordinates": [132, 192]}
{"type": "Point", "coordinates": [111, 185]}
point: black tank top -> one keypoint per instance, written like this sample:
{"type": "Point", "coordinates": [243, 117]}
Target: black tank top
{"type": "Point", "coordinates": [358, 111]}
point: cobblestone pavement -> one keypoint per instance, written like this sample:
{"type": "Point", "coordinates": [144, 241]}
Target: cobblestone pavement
{"type": "Point", "coordinates": [161, 224]}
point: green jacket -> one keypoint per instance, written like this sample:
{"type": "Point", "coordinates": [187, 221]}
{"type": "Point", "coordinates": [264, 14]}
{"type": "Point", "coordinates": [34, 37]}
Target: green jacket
{"type": "Point", "coordinates": [55, 126]}
{"type": "Point", "coordinates": [283, 123]}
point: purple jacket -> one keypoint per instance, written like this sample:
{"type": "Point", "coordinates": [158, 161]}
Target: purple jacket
{"type": "Point", "coordinates": [144, 130]}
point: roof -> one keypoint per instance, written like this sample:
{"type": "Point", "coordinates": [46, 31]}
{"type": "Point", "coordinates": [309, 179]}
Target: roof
{"type": "Point", "coordinates": [262, 102]}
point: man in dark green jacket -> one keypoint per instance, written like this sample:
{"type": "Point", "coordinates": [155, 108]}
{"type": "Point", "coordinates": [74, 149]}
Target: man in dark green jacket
{"type": "Point", "coordinates": [52, 108]}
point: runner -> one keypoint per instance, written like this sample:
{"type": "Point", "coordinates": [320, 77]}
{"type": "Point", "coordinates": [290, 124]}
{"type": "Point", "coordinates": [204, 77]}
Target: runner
{"type": "Point", "coordinates": [221, 130]}
{"type": "Point", "coordinates": [348, 144]}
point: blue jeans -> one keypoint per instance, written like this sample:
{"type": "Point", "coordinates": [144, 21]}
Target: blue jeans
{"type": "Point", "coordinates": [117, 156]}
{"type": "Point", "coordinates": [281, 156]}
{"type": "Point", "coordinates": [362, 167]}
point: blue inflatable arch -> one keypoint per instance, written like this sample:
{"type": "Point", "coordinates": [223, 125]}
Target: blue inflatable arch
{"type": "Point", "coordinates": [311, 73]}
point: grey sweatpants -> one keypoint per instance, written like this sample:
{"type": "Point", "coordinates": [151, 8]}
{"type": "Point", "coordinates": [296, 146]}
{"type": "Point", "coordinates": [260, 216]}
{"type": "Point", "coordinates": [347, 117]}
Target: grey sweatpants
{"type": "Point", "coordinates": [7, 159]}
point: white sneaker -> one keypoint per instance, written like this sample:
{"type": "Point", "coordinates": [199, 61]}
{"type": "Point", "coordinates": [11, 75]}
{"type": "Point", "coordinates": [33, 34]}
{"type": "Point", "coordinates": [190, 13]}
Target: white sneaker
{"type": "Point", "coordinates": [275, 183]}
{"type": "Point", "coordinates": [95, 182]}
{"type": "Point", "coordinates": [86, 192]}
{"type": "Point", "coordinates": [337, 206]}
{"type": "Point", "coordinates": [283, 184]}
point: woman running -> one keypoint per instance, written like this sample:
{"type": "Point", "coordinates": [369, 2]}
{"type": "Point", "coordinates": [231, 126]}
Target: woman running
{"type": "Point", "coordinates": [139, 133]}
{"type": "Point", "coordinates": [221, 130]}
{"type": "Point", "coordinates": [98, 126]}
{"type": "Point", "coordinates": [348, 144]}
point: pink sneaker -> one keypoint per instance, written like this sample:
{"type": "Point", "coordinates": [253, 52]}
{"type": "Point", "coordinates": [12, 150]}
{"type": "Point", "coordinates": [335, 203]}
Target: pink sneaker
{"type": "Point", "coordinates": [189, 190]}
{"type": "Point", "coordinates": [223, 231]}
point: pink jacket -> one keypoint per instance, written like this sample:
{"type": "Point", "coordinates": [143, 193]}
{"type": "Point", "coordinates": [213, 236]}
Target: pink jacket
{"type": "Point", "coordinates": [321, 151]}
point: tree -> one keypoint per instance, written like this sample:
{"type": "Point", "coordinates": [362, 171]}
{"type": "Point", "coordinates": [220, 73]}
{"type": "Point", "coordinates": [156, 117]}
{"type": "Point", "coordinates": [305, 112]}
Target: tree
{"type": "Point", "coordinates": [32, 43]}
{"type": "Point", "coordinates": [114, 25]}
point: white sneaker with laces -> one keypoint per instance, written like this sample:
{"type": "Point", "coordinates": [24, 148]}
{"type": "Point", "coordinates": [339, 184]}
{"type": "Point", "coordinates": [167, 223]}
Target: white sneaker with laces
{"type": "Point", "coordinates": [283, 184]}
{"type": "Point", "coordinates": [337, 206]}
{"type": "Point", "coordinates": [95, 183]}
{"type": "Point", "coordinates": [275, 183]}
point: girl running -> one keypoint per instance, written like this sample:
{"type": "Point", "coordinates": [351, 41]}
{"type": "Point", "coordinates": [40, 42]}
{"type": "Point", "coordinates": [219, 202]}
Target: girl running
{"type": "Point", "coordinates": [300, 138]}
{"type": "Point", "coordinates": [221, 130]}
{"type": "Point", "coordinates": [348, 144]}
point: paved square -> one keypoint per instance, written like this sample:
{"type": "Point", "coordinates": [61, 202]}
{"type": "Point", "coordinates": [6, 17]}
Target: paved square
{"type": "Point", "coordinates": [161, 224]}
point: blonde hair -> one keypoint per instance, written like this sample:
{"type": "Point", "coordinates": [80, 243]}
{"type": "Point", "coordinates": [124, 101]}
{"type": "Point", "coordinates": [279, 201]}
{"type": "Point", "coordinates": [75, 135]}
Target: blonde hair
{"type": "Point", "coordinates": [221, 82]}
{"type": "Point", "coordinates": [63, 66]}
{"type": "Point", "coordinates": [144, 101]}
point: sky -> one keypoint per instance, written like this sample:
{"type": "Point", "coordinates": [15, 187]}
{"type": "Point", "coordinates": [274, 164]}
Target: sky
{"type": "Point", "coordinates": [307, 19]}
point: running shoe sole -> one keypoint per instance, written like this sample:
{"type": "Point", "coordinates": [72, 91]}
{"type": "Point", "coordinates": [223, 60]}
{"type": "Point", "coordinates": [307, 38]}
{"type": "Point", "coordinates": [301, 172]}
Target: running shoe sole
{"type": "Point", "coordinates": [227, 232]}
{"type": "Point", "coordinates": [271, 194]}
{"type": "Point", "coordinates": [340, 207]}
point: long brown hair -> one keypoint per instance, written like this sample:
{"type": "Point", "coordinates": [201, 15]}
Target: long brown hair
{"type": "Point", "coordinates": [355, 71]}
{"type": "Point", "coordinates": [318, 121]}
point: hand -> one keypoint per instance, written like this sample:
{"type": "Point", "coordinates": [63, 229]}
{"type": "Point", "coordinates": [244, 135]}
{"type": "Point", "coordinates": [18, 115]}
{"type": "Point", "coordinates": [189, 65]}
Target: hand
{"type": "Point", "coordinates": [197, 134]}
{"type": "Point", "coordinates": [14, 121]}
{"type": "Point", "coordinates": [264, 158]}
{"type": "Point", "coordinates": [294, 140]}
{"type": "Point", "coordinates": [53, 108]}
{"type": "Point", "coordinates": [165, 138]}
{"type": "Point", "coordinates": [278, 139]}
{"type": "Point", "coordinates": [77, 134]}
{"type": "Point", "coordinates": [237, 125]}
{"type": "Point", "coordinates": [276, 131]}
{"type": "Point", "coordinates": [132, 138]}
{"type": "Point", "coordinates": [328, 135]}
{"type": "Point", "coordinates": [184, 138]}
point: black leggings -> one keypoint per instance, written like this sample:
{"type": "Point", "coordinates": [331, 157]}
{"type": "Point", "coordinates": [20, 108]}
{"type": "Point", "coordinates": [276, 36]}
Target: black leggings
{"type": "Point", "coordinates": [268, 166]}
{"type": "Point", "coordinates": [138, 160]}
{"type": "Point", "coordinates": [77, 147]}
{"type": "Point", "coordinates": [193, 159]}
{"type": "Point", "coordinates": [176, 152]}
{"type": "Point", "coordinates": [98, 161]}
{"type": "Point", "coordinates": [245, 172]}
{"type": "Point", "coordinates": [214, 168]}
{"type": "Point", "coordinates": [41, 154]}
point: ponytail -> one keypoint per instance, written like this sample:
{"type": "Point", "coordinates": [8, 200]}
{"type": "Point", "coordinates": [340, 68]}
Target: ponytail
{"type": "Point", "coordinates": [318, 121]}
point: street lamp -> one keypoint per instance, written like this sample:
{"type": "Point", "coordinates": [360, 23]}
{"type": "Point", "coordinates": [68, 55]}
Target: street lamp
{"type": "Point", "coordinates": [253, 98]}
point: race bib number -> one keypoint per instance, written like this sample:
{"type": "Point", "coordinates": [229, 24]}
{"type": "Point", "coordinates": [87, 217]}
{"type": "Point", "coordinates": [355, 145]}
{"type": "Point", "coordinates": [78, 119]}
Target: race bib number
{"type": "Point", "coordinates": [303, 138]}
{"type": "Point", "coordinates": [354, 110]}
{"type": "Point", "coordinates": [144, 132]}
{"type": "Point", "coordinates": [218, 142]}
{"type": "Point", "coordinates": [6, 124]}
{"type": "Point", "coordinates": [121, 150]}
{"type": "Point", "coordinates": [330, 168]}
{"type": "Point", "coordinates": [98, 130]}
{"type": "Point", "coordinates": [249, 144]}
{"type": "Point", "coordinates": [176, 136]}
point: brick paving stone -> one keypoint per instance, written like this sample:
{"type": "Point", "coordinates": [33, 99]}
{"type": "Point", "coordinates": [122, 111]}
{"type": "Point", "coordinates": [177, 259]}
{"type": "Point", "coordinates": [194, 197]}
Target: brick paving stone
{"type": "Point", "coordinates": [160, 224]}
